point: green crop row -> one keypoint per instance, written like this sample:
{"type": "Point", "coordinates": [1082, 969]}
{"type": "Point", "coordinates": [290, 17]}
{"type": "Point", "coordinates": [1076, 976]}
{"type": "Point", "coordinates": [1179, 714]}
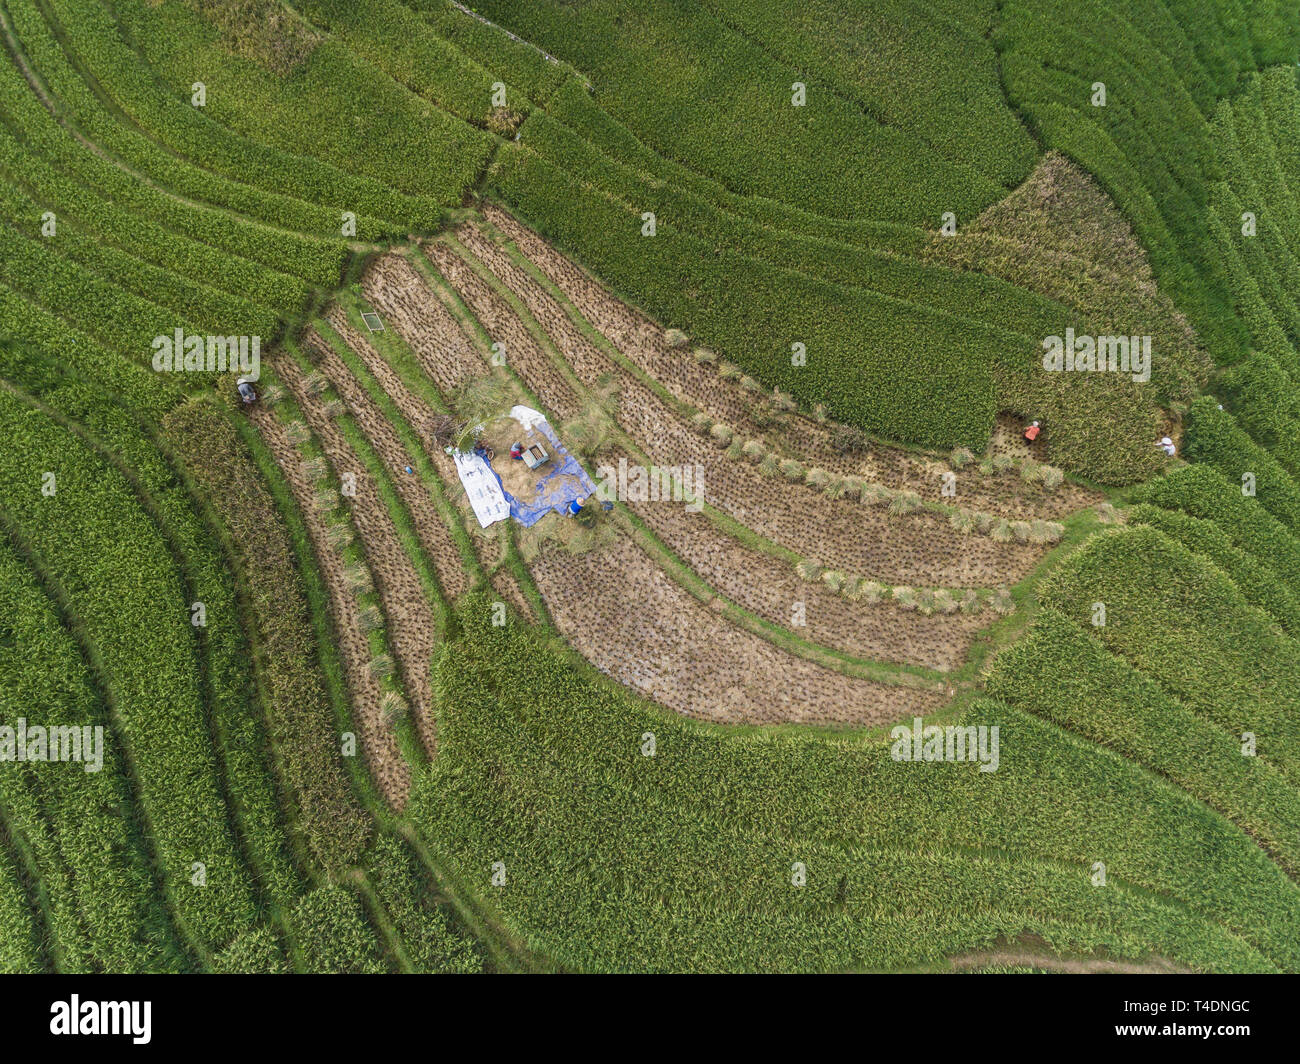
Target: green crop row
{"type": "Point", "coordinates": [336, 936]}
{"type": "Point", "coordinates": [702, 93]}
{"type": "Point", "coordinates": [301, 725]}
{"type": "Point", "coordinates": [408, 896]}
{"type": "Point", "coordinates": [900, 371]}
{"type": "Point", "coordinates": [1220, 36]}
{"type": "Point", "coordinates": [1243, 289]}
{"type": "Point", "coordinates": [948, 98]}
{"type": "Point", "coordinates": [1260, 153]}
{"type": "Point", "coordinates": [113, 564]}
{"type": "Point", "coordinates": [217, 312]}
{"type": "Point", "coordinates": [54, 191]}
{"type": "Point", "coordinates": [333, 132]}
{"type": "Point", "coordinates": [33, 327]}
{"type": "Point", "coordinates": [1214, 437]}
{"type": "Point", "coordinates": [1260, 583]}
{"type": "Point", "coordinates": [1280, 103]}
{"type": "Point", "coordinates": [93, 866]}
{"type": "Point", "coordinates": [516, 62]}
{"type": "Point", "coordinates": [1265, 403]}
{"type": "Point", "coordinates": [122, 322]}
{"type": "Point", "coordinates": [580, 110]}
{"type": "Point", "coordinates": [1063, 674]}
{"type": "Point", "coordinates": [607, 859]}
{"type": "Point", "coordinates": [1183, 622]}
{"type": "Point", "coordinates": [1149, 146]}
{"type": "Point", "coordinates": [1267, 252]}
{"type": "Point", "coordinates": [19, 952]}
{"type": "Point", "coordinates": [250, 795]}
{"type": "Point", "coordinates": [108, 49]}
{"type": "Point", "coordinates": [65, 939]}
{"type": "Point", "coordinates": [1200, 491]}
{"type": "Point", "coordinates": [256, 951]}
{"type": "Point", "coordinates": [111, 130]}
{"type": "Point", "coordinates": [987, 300]}
{"type": "Point", "coordinates": [396, 40]}
{"type": "Point", "coordinates": [317, 261]}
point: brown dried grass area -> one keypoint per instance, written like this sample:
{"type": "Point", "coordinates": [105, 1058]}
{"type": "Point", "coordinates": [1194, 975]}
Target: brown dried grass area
{"type": "Point", "coordinates": [507, 587]}
{"type": "Point", "coordinates": [416, 412]}
{"type": "Point", "coordinates": [502, 325]}
{"type": "Point", "coordinates": [919, 549]}
{"type": "Point", "coordinates": [1060, 234]}
{"type": "Point", "coordinates": [430, 529]}
{"type": "Point", "coordinates": [630, 620]}
{"type": "Point", "coordinates": [770, 588]}
{"type": "Point", "coordinates": [421, 417]}
{"type": "Point", "coordinates": [387, 766]}
{"type": "Point", "coordinates": [589, 364]}
{"type": "Point", "coordinates": [1000, 494]}
{"type": "Point", "coordinates": [412, 629]}
{"type": "Point", "coordinates": [500, 434]}
{"type": "Point", "coordinates": [264, 31]}
{"type": "Point", "coordinates": [646, 345]}
{"type": "Point", "coordinates": [406, 304]}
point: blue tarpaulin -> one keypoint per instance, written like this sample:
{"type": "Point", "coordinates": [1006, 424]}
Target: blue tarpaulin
{"type": "Point", "coordinates": [559, 482]}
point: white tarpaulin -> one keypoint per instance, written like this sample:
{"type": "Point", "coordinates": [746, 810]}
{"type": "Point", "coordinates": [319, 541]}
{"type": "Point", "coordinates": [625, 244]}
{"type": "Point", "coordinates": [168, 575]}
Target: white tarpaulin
{"type": "Point", "coordinates": [527, 416]}
{"type": "Point", "coordinates": [482, 487]}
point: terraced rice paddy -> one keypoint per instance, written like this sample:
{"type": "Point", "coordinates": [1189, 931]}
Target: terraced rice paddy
{"type": "Point", "coordinates": [339, 715]}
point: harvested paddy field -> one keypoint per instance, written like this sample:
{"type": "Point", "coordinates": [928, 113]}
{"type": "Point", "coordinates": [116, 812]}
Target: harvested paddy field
{"type": "Point", "coordinates": [780, 646]}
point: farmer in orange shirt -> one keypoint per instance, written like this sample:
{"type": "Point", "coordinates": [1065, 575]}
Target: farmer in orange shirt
{"type": "Point", "coordinates": [1031, 433]}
